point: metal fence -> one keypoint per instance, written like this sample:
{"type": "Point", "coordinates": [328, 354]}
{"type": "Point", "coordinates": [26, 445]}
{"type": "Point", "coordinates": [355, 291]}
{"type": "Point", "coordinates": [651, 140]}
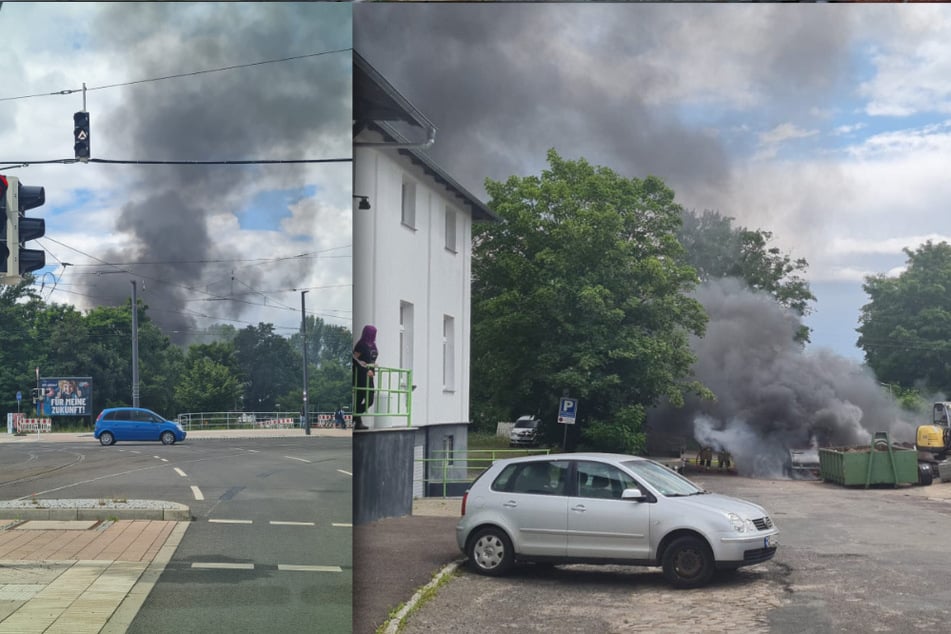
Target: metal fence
{"type": "Point", "coordinates": [450, 471]}
{"type": "Point", "coordinates": [255, 420]}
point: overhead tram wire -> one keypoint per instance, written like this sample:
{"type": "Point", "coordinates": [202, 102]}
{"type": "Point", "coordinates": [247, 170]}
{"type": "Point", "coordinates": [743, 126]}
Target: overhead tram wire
{"type": "Point", "coordinates": [17, 164]}
{"type": "Point", "coordinates": [177, 75]}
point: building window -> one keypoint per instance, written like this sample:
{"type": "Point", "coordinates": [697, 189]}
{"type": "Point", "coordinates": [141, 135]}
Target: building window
{"type": "Point", "coordinates": [406, 335]}
{"type": "Point", "coordinates": [448, 353]}
{"type": "Point", "coordinates": [409, 204]}
{"type": "Point", "coordinates": [450, 229]}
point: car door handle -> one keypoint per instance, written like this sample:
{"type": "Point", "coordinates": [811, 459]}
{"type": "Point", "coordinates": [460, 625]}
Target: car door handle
{"type": "Point", "coordinates": [511, 504]}
{"type": "Point", "coordinates": [579, 508]}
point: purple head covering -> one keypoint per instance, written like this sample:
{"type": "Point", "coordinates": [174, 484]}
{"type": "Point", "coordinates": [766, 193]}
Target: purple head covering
{"type": "Point", "coordinates": [369, 337]}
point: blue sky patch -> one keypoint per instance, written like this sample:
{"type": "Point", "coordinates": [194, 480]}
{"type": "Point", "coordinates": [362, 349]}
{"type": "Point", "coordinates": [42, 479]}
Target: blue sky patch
{"type": "Point", "coordinates": [267, 209]}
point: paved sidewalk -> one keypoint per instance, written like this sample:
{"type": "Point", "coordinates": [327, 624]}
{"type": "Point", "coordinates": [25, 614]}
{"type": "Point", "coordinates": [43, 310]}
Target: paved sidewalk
{"type": "Point", "coordinates": [74, 577]}
{"type": "Point", "coordinates": [396, 556]}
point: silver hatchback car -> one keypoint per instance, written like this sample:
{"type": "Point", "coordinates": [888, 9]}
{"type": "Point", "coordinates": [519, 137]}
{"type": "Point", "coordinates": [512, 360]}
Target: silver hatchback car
{"type": "Point", "coordinates": [608, 509]}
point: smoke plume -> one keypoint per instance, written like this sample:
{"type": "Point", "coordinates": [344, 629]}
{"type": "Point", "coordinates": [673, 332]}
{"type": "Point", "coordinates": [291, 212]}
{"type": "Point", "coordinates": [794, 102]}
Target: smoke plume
{"type": "Point", "coordinates": [772, 396]}
{"type": "Point", "coordinates": [176, 215]}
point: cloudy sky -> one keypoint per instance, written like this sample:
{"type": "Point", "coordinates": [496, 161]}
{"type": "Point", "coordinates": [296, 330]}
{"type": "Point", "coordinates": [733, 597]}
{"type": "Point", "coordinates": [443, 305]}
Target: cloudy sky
{"type": "Point", "coordinates": [829, 125]}
{"type": "Point", "coordinates": [205, 244]}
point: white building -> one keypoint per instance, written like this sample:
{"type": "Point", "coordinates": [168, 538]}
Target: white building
{"type": "Point", "coordinates": [412, 255]}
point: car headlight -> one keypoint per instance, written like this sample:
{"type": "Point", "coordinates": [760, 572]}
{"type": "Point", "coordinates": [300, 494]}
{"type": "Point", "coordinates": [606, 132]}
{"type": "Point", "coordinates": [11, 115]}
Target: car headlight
{"type": "Point", "coordinates": [741, 525]}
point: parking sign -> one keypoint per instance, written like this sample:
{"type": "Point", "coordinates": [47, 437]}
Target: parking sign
{"type": "Point", "coordinates": [567, 410]}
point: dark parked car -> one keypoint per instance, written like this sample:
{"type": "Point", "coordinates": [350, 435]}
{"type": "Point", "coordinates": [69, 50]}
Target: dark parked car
{"type": "Point", "coordinates": [136, 423]}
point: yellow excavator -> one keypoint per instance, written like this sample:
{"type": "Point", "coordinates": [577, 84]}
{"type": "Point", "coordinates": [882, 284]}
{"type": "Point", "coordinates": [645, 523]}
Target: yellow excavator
{"type": "Point", "coordinates": [933, 443]}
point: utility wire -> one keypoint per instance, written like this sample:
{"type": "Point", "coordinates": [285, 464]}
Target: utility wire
{"type": "Point", "coordinates": [177, 75]}
{"type": "Point", "coordinates": [17, 164]}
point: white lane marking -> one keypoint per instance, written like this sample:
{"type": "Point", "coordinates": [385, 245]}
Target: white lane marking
{"type": "Point", "coordinates": [197, 493]}
{"type": "Point", "coordinates": [345, 472]}
{"type": "Point", "coordinates": [253, 451]}
{"type": "Point", "coordinates": [224, 566]}
{"type": "Point", "coordinates": [277, 523]}
{"type": "Point", "coordinates": [301, 459]}
{"type": "Point", "coordinates": [181, 473]}
{"type": "Point", "coordinates": [231, 521]}
{"type": "Point", "coordinates": [342, 525]}
{"type": "Point", "coordinates": [156, 457]}
{"type": "Point", "coordinates": [292, 567]}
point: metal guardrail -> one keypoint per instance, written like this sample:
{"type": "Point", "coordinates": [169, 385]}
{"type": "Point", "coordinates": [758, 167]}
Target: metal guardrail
{"type": "Point", "coordinates": [254, 420]}
{"type": "Point", "coordinates": [459, 467]}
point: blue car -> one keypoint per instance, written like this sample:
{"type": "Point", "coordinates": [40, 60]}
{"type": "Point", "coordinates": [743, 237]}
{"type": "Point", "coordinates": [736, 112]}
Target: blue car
{"type": "Point", "coordinates": [136, 423]}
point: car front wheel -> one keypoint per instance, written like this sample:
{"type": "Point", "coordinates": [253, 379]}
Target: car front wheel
{"type": "Point", "coordinates": [168, 438]}
{"type": "Point", "coordinates": [490, 552]}
{"type": "Point", "coordinates": [688, 562]}
{"type": "Point", "coordinates": [106, 438]}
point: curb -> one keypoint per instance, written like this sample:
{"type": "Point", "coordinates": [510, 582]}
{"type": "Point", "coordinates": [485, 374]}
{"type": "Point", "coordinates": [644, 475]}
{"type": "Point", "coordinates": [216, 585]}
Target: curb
{"type": "Point", "coordinates": [173, 512]}
{"type": "Point", "coordinates": [393, 624]}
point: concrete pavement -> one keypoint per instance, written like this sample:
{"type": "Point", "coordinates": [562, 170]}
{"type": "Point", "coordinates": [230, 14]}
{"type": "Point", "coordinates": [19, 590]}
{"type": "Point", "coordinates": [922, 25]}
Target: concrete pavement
{"type": "Point", "coordinates": [78, 566]}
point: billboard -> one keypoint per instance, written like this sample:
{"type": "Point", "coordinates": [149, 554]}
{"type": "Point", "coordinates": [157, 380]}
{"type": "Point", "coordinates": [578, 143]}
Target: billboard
{"type": "Point", "coordinates": [67, 396]}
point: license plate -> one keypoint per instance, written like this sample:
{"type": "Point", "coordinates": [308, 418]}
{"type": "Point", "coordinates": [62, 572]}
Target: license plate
{"type": "Point", "coordinates": [771, 541]}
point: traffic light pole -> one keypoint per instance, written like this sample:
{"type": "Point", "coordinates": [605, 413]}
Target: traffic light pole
{"type": "Point", "coordinates": [303, 332]}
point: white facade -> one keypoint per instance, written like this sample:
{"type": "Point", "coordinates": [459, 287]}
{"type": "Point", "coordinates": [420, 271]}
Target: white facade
{"type": "Point", "coordinates": [412, 259]}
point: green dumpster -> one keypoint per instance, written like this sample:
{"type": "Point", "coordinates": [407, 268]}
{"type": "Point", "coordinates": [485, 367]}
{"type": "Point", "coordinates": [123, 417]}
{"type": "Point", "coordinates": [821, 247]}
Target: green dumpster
{"type": "Point", "coordinates": [877, 463]}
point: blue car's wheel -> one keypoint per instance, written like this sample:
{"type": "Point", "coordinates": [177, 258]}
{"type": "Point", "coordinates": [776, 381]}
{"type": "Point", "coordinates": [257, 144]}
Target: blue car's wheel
{"type": "Point", "coordinates": [106, 438]}
{"type": "Point", "coordinates": [168, 438]}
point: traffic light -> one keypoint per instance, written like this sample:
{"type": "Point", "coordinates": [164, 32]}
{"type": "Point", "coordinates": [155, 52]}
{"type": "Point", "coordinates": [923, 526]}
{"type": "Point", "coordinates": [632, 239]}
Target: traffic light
{"type": "Point", "coordinates": [16, 200]}
{"type": "Point", "coordinates": [81, 135]}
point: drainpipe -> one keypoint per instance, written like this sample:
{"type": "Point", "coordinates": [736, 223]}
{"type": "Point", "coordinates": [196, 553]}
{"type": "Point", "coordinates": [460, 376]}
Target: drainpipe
{"type": "Point", "coordinates": [431, 138]}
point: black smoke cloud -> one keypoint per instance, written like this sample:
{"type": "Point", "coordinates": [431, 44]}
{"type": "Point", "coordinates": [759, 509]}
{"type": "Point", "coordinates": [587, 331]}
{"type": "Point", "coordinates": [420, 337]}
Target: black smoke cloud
{"type": "Point", "coordinates": [772, 396]}
{"type": "Point", "coordinates": [290, 110]}
{"type": "Point", "coordinates": [504, 83]}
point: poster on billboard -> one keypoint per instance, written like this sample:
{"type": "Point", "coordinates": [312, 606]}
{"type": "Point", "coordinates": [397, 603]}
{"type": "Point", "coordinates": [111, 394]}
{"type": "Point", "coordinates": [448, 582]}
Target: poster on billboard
{"type": "Point", "coordinates": [67, 396]}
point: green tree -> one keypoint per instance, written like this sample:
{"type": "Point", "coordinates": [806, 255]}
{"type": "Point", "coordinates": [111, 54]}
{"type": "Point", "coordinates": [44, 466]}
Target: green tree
{"type": "Point", "coordinates": [19, 306]}
{"type": "Point", "coordinates": [717, 249]}
{"type": "Point", "coordinates": [207, 385]}
{"type": "Point", "coordinates": [905, 329]}
{"type": "Point", "coordinates": [269, 366]}
{"type": "Point", "coordinates": [581, 287]}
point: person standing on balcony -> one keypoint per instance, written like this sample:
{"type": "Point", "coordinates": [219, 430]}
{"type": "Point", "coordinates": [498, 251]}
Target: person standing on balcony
{"type": "Point", "coordinates": [364, 358]}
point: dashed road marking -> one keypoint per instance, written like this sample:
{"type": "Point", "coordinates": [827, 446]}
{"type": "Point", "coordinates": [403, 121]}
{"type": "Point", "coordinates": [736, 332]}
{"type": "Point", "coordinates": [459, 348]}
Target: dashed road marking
{"type": "Point", "coordinates": [279, 523]}
{"type": "Point", "coordinates": [345, 472]}
{"type": "Point", "coordinates": [231, 521]}
{"type": "Point", "coordinates": [223, 566]}
{"type": "Point", "coordinates": [292, 567]}
{"type": "Point", "coordinates": [197, 493]}
{"type": "Point", "coordinates": [181, 473]}
{"type": "Point", "coordinates": [342, 525]}
{"type": "Point", "coordinates": [301, 459]}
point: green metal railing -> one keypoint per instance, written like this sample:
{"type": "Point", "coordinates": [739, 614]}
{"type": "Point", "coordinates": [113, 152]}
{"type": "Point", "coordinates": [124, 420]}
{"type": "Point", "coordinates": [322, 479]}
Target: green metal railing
{"type": "Point", "coordinates": [462, 466]}
{"type": "Point", "coordinates": [392, 392]}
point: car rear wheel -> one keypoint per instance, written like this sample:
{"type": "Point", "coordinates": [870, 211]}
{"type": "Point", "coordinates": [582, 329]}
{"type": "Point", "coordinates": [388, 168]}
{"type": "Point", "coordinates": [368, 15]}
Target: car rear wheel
{"type": "Point", "coordinates": [168, 438]}
{"type": "Point", "coordinates": [688, 562]}
{"type": "Point", "coordinates": [490, 552]}
{"type": "Point", "coordinates": [106, 438]}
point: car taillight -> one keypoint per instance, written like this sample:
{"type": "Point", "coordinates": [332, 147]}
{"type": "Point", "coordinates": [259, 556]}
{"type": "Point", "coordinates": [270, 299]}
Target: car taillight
{"type": "Point", "coordinates": [464, 496]}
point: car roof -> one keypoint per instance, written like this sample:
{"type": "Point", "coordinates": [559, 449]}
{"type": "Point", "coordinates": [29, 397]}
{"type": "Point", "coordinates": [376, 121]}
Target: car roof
{"type": "Point", "coordinates": [586, 455]}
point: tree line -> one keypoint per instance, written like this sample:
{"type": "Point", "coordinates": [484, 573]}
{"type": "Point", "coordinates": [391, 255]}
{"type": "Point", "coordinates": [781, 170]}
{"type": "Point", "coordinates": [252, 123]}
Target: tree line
{"type": "Point", "coordinates": [248, 369]}
{"type": "Point", "coordinates": [584, 288]}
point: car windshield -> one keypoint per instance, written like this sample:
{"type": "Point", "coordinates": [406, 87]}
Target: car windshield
{"type": "Point", "coordinates": [525, 424]}
{"type": "Point", "coordinates": [664, 480]}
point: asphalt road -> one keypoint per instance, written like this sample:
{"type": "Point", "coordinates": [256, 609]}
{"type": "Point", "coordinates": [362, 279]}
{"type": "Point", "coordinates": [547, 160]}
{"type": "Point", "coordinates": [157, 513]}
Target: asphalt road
{"type": "Point", "coordinates": [850, 560]}
{"type": "Point", "coordinates": [270, 545]}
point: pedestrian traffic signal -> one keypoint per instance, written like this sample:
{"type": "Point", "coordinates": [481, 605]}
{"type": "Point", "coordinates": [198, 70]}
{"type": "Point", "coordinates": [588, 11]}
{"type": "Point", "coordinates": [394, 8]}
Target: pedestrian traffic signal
{"type": "Point", "coordinates": [81, 135]}
{"type": "Point", "coordinates": [16, 200]}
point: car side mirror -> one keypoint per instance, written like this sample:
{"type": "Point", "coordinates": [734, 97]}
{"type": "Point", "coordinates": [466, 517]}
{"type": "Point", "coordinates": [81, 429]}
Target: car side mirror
{"type": "Point", "coordinates": [633, 494]}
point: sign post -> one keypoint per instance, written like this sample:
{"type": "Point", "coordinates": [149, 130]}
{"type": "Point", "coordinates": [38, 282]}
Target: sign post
{"type": "Point", "coordinates": [567, 413]}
